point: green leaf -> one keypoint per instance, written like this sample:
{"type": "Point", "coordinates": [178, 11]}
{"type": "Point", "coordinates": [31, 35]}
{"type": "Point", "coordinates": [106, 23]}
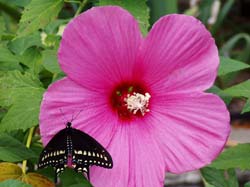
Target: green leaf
{"type": "Point", "coordinates": [8, 61]}
{"type": "Point", "coordinates": [247, 184]}
{"type": "Point", "coordinates": [71, 179]}
{"type": "Point", "coordinates": [216, 90]}
{"type": "Point", "coordinates": [234, 157]}
{"type": "Point", "coordinates": [13, 183]}
{"type": "Point", "coordinates": [52, 41]}
{"type": "Point", "coordinates": [160, 9]}
{"type": "Point", "coordinates": [220, 178]}
{"type": "Point", "coordinates": [24, 94]}
{"type": "Point", "coordinates": [19, 45]}
{"type": "Point", "coordinates": [10, 12]}
{"type": "Point", "coordinates": [47, 172]}
{"type": "Point", "coordinates": [32, 58]}
{"type": "Point", "coordinates": [2, 26]}
{"type": "Point", "coordinates": [207, 184]}
{"type": "Point", "coordinates": [52, 27]}
{"type": "Point", "coordinates": [38, 14]}
{"type": "Point", "coordinates": [246, 107]}
{"type": "Point", "coordinates": [14, 84]}
{"type": "Point", "coordinates": [7, 56]}
{"type": "Point", "coordinates": [24, 113]}
{"type": "Point", "coordinates": [80, 184]}
{"type": "Point", "coordinates": [228, 65]}
{"type": "Point", "coordinates": [239, 90]}
{"type": "Point", "coordinates": [138, 8]}
{"type": "Point", "coordinates": [19, 3]}
{"type": "Point", "coordinates": [50, 61]}
{"type": "Point", "coordinates": [2, 113]}
{"type": "Point", "coordinates": [12, 150]}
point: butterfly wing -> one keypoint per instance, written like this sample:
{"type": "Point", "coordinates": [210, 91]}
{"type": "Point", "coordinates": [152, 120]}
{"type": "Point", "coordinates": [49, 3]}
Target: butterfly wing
{"type": "Point", "coordinates": [55, 153]}
{"type": "Point", "coordinates": [87, 151]}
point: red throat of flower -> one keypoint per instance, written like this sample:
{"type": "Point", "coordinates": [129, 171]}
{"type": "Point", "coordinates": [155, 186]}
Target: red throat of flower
{"type": "Point", "coordinates": [130, 100]}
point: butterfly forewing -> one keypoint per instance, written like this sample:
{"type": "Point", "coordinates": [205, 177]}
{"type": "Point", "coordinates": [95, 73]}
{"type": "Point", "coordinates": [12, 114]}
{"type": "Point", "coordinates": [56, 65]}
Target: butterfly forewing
{"type": "Point", "coordinates": [87, 151]}
{"type": "Point", "coordinates": [55, 153]}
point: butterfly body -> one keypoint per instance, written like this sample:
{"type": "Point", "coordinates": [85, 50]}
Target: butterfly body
{"type": "Point", "coordinates": [74, 148]}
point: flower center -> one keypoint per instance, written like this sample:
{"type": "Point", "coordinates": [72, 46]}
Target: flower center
{"type": "Point", "coordinates": [137, 102]}
{"type": "Point", "coordinates": [130, 100]}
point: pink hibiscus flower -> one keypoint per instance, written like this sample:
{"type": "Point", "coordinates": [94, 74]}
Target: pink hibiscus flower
{"type": "Point", "coordinates": [142, 98]}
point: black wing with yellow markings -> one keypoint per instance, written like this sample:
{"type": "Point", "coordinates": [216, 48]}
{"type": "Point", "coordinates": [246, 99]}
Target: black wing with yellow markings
{"type": "Point", "coordinates": [87, 152]}
{"type": "Point", "coordinates": [72, 143]}
{"type": "Point", "coordinates": [55, 153]}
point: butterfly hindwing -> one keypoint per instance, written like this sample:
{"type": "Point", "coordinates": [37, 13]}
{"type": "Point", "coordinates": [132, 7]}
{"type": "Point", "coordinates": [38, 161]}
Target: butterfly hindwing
{"type": "Point", "coordinates": [87, 152]}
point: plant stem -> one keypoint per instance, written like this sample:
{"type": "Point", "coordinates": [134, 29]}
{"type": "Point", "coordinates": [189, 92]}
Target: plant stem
{"type": "Point", "coordinates": [81, 6]}
{"type": "Point", "coordinates": [72, 1]}
{"type": "Point", "coordinates": [31, 131]}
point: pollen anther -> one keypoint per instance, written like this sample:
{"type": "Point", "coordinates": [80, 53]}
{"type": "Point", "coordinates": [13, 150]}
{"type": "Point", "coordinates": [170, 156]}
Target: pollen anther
{"type": "Point", "coordinates": [138, 102]}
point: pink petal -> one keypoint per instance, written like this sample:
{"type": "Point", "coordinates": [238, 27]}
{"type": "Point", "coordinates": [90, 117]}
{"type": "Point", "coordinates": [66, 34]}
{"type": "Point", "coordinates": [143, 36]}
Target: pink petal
{"type": "Point", "coordinates": [137, 160]}
{"type": "Point", "coordinates": [71, 98]}
{"type": "Point", "coordinates": [179, 54]}
{"type": "Point", "coordinates": [99, 47]}
{"type": "Point", "coordinates": [191, 128]}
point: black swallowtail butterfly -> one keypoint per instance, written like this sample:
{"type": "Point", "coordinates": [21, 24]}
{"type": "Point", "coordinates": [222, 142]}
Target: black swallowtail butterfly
{"type": "Point", "coordinates": [77, 146]}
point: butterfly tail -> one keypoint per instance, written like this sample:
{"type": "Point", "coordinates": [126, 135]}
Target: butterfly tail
{"type": "Point", "coordinates": [56, 179]}
{"type": "Point", "coordinates": [86, 174]}
{"type": "Point", "coordinates": [58, 169]}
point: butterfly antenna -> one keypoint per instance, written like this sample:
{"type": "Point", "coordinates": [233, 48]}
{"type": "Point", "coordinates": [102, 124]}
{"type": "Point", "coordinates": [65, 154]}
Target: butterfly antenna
{"type": "Point", "coordinates": [63, 116]}
{"type": "Point", "coordinates": [73, 118]}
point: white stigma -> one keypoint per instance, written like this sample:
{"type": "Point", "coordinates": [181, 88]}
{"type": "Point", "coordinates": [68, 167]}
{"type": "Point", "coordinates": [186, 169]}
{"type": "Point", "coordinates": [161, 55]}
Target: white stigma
{"type": "Point", "coordinates": [138, 102]}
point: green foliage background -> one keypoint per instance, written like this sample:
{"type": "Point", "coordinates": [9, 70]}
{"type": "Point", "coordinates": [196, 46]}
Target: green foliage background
{"type": "Point", "coordinates": [30, 32]}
